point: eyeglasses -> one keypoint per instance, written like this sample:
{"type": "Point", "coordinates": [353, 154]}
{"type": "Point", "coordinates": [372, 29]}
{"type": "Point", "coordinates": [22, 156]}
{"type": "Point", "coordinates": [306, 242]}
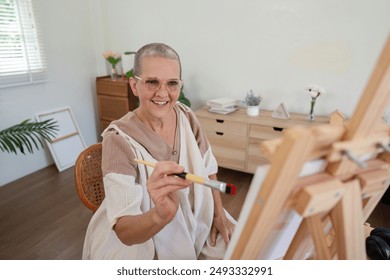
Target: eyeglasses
{"type": "Point", "coordinates": [154, 84]}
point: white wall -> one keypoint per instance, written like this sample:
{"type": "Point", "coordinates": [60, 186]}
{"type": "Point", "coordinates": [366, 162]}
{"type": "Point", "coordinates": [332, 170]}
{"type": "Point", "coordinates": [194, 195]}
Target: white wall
{"type": "Point", "coordinates": [227, 47]}
{"type": "Point", "coordinates": [274, 47]}
{"type": "Point", "coordinates": [68, 35]}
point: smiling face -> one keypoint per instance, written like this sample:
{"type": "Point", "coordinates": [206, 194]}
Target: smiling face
{"type": "Point", "coordinates": [156, 104]}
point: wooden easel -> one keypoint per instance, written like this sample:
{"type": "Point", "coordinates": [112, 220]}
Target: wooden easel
{"type": "Point", "coordinates": [336, 202]}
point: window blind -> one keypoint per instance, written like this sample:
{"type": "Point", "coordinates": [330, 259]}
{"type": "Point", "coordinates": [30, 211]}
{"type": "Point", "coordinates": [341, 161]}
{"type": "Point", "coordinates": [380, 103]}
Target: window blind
{"type": "Point", "coordinates": [22, 59]}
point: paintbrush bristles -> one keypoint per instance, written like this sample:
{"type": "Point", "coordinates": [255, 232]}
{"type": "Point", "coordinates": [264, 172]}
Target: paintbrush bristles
{"type": "Point", "coordinates": [231, 189]}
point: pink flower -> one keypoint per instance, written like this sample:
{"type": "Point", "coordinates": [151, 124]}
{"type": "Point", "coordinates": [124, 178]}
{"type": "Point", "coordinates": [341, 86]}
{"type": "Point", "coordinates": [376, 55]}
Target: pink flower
{"type": "Point", "coordinates": [315, 91]}
{"type": "Point", "coordinates": [112, 57]}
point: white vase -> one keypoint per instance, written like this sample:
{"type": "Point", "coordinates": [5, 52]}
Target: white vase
{"type": "Point", "coordinates": [252, 110]}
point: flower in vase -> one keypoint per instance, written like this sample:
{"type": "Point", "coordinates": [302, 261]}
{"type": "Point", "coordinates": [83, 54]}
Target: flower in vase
{"type": "Point", "coordinates": [314, 91]}
{"type": "Point", "coordinates": [112, 57]}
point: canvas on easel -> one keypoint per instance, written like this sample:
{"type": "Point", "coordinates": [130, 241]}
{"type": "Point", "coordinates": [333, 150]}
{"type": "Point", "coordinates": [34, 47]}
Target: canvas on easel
{"type": "Point", "coordinates": [287, 222]}
{"type": "Point", "coordinates": [335, 199]}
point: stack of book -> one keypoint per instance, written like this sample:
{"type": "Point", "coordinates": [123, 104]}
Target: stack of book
{"type": "Point", "coordinates": [222, 105]}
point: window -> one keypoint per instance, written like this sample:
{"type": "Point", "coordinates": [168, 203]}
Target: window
{"type": "Point", "coordinates": [21, 53]}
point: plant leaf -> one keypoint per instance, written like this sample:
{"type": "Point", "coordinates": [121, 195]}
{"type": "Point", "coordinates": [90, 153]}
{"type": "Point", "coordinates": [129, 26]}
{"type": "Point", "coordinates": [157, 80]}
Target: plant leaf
{"type": "Point", "coordinates": [26, 135]}
{"type": "Point", "coordinates": [130, 73]}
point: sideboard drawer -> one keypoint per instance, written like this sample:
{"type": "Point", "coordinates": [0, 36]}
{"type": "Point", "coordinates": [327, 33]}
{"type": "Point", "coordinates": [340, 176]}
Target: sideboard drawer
{"type": "Point", "coordinates": [112, 108]}
{"type": "Point", "coordinates": [255, 157]}
{"type": "Point", "coordinates": [264, 132]}
{"type": "Point", "coordinates": [227, 140]}
{"type": "Point", "coordinates": [224, 126]}
{"type": "Point", "coordinates": [112, 88]}
{"type": "Point", "coordinates": [229, 158]}
{"type": "Point", "coordinates": [228, 148]}
{"type": "Point", "coordinates": [258, 133]}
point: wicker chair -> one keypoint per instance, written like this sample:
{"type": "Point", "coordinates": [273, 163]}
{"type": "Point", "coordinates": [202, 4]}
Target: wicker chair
{"type": "Point", "coordinates": [88, 177]}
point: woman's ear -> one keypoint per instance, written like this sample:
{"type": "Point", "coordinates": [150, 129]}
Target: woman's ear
{"type": "Point", "coordinates": [133, 85]}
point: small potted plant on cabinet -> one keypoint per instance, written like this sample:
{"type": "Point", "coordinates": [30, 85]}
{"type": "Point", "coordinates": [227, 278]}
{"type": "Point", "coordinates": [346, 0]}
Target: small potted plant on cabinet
{"type": "Point", "coordinates": [252, 102]}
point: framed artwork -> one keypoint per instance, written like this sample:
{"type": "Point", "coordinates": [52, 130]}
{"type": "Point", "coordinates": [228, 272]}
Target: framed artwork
{"type": "Point", "coordinates": [68, 143]}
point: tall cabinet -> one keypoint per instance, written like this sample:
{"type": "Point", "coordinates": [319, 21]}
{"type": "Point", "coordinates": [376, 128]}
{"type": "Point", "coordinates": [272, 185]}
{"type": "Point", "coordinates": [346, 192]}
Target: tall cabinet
{"type": "Point", "coordinates": [114, 98]}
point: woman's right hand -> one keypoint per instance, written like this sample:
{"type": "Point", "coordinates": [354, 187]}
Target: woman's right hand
{"type": "Point", "coordinates": [162, 189]}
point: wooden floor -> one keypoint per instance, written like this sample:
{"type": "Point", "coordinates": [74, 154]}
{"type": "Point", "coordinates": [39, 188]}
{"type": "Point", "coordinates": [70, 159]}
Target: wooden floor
{"type": "Point", "coordinates": [41, 216]}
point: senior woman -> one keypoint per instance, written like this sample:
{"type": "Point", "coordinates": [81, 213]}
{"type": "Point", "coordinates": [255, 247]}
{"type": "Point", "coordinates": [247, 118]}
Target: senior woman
{"type": "Point", "coordinates": [146, 213]}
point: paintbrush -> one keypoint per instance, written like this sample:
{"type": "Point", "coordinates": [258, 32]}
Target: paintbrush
{"type": "Point", "coordinates": [217, 185]}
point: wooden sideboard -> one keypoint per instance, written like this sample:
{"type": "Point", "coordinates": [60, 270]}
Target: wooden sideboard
{"type": "Point", "coordinates": [235, 138]}
{"type": "Point", "coordinates": [114, 98]}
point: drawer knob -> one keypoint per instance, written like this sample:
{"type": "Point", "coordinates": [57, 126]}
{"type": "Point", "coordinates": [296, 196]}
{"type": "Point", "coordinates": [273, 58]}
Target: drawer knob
{"type": "Point", "coordinates": [219, 133]}
{"type": "Point", "coordinates": [220, 121]}
{"type": "Point", "coordinates": [278, 128]}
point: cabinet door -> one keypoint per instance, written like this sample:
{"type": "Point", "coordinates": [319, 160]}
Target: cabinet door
{"type": "Point", "coordinates": [113, 88]}
{"type": "Point", "coordinates": [228, 141]}
{"type": "Point", "coordinates": [258, 133]}
{"type": "Point", "coordinates": [111, 107]}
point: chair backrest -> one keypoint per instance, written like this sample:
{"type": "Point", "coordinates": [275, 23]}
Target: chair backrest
{"type": "Point", "coordinates": [89, 178]}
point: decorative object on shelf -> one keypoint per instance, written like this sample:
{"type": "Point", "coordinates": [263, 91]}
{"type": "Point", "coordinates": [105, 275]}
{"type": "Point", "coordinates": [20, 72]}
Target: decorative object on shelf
{"type": "Point", "coordinates": [281, 112]}
{"type": "Point", "coordinates": [222, 102]}
{"type": "Point", "coordinates": [253, 102]}
{"type": "Point", "coordinates": [223, 111]}
{"type": "Point", "coordinates": [314, 91]}
{"type": "Point", "coordinates": [26, 134]}
{"type": "Point", "coordinates": [222, 105]}
{"type": "Point", "coordinates": [113, 58]}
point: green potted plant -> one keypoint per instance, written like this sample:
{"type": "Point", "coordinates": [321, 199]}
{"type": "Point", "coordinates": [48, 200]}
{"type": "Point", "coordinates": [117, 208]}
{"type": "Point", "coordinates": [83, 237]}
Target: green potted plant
{"type": "Point", "coordinates": [253, 103]}
{"type": "Point", "coordinates": [183, 99]}
{"type": "Point", "coordinates": [130, 72]}
{"type": "Point", "coordinates": [26, 135]}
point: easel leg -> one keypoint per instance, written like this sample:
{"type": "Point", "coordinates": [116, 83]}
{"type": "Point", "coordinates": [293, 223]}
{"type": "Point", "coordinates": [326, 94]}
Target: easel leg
{"type": "Point", "coordinates": [301, 245]}
{"type": "Point", "coordinates": [317, 230]}
{"type": "Point", "coordinates": [347, 220]}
